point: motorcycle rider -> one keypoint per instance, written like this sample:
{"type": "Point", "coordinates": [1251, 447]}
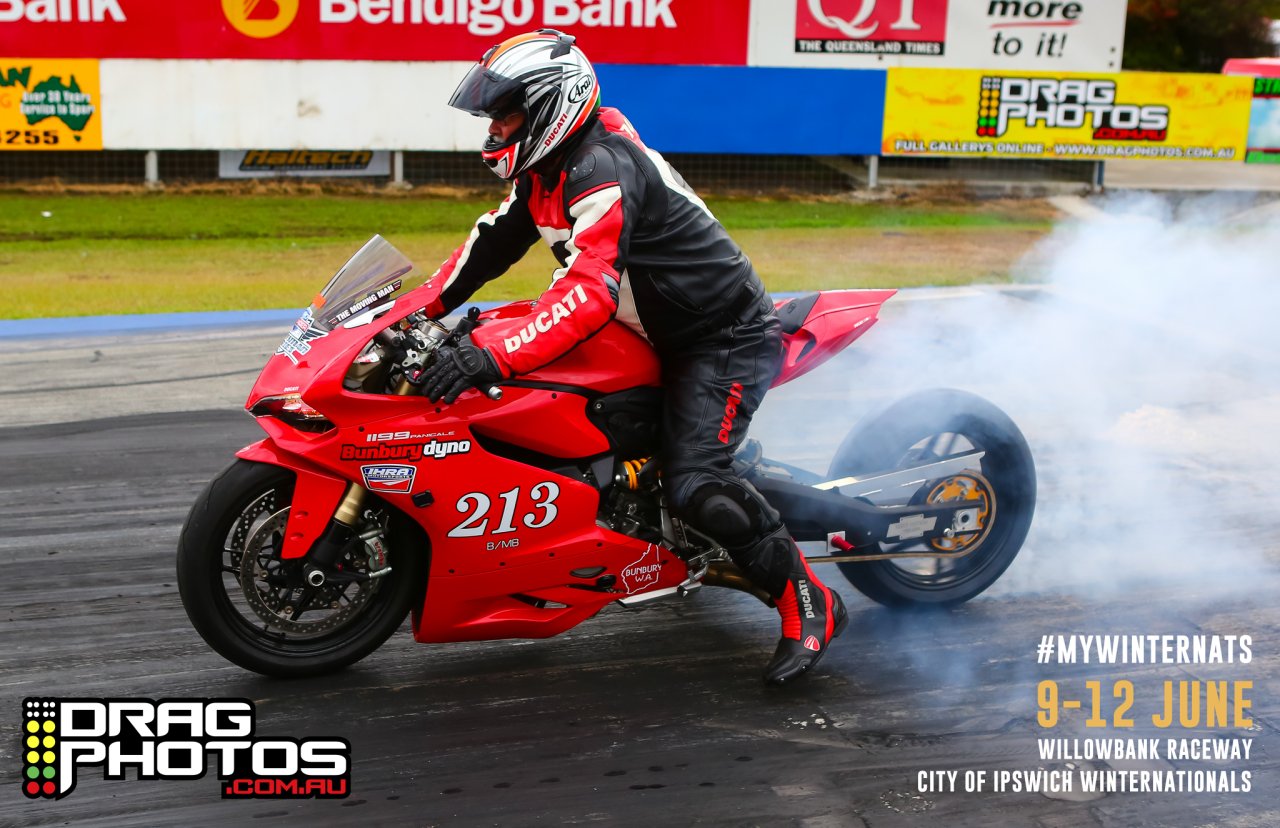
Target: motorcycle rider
{"type": "Point", "coordinates": [634, 243]}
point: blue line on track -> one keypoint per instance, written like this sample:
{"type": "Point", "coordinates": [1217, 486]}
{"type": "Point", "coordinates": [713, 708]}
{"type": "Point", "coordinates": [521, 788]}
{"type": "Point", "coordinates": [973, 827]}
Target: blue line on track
{"type": "Point", "coordinates": [78, 326]}
{"type": "Point", "coordinates": [81, 326]}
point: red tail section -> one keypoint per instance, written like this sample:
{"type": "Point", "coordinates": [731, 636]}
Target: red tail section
{"type": "Point", "coordinates": [819, 325]}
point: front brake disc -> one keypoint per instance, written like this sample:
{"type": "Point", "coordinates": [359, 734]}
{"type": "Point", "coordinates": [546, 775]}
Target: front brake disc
{"type": "Point", "coordinates": [330, 606]}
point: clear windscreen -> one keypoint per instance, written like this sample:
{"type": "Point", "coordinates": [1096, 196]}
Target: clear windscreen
{"type": "Point", "coordinates": [369, 281]}
{"type": "Point", "coordinates": [371, 278]}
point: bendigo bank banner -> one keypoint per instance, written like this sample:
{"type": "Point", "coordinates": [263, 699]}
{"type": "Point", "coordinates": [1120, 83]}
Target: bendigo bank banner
{"type": "Point", "coordinates": [1066, 115]}
{"type": "Point", "coordinates": [626, 31]}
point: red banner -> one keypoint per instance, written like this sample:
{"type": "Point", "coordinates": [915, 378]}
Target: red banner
{"type": "Point", "coordinates": [899, 27]}
{"type": "Point", "coordinates": [609, 31]}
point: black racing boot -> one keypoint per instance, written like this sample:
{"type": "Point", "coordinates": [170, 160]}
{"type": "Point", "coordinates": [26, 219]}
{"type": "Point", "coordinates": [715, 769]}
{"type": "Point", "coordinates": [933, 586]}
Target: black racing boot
{"type": "Point", "coordinates": [812, 614]}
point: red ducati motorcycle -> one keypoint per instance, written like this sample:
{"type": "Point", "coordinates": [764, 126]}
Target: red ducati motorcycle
{"type": "Point", "coordinates": [522, 511]}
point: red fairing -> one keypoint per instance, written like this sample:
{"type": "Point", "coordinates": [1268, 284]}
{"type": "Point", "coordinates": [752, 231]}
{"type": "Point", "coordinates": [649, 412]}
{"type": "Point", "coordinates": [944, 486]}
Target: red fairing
{"type": "Point", "coordinates": [836, 319]}
{"type": "Point", "coordinates": [316, 493]}
{"type": "Point", "coordinates": [509, 535]}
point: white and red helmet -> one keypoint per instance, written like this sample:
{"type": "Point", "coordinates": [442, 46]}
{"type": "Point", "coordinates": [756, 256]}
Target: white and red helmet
{"type": "Point", "coordinates": [545, 76]}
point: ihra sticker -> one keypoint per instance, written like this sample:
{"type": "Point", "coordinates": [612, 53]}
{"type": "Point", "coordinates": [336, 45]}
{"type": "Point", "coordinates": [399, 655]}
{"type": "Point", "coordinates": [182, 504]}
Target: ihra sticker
{"type": "Point", "coordinates": [394, 479]}
{"type": "Point", "coordinates": [174, 739]}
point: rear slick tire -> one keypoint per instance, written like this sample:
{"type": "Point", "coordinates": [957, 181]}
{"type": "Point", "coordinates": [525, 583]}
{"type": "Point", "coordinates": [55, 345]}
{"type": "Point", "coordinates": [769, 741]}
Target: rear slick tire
{"type": "Point", "coordinates": [236, 511]}
{"type": "Point", "coordinates": [909, 432]}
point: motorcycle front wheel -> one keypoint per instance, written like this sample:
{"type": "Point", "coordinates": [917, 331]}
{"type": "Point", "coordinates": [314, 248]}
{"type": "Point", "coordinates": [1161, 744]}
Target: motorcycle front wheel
{"type": "Point", "coordinates": [253, 607]}
{"type": "Point", "coordinates": [990, 464]}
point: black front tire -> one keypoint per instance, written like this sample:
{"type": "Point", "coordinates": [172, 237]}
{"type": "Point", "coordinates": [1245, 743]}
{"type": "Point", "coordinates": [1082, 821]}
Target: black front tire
{"type": "Point", "coordinates": [901, 436]}
{"type": "Point", "coordinates": [210, 552]}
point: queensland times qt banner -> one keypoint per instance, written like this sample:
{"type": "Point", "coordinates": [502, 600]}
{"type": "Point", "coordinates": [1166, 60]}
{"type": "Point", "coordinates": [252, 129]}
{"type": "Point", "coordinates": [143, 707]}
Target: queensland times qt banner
{"type": "Point", "coordinates": [1054, 35]}
{"type": "Point", "coordinates": [613, 31]}
{"type": "Point", "coordinates": [49, 104]}
{"type": "Point", "coordinates": [1066, 116]}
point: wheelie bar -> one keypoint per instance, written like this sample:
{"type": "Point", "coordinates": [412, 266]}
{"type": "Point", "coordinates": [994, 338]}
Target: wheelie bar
{"type": "Point", "coordinates": [812, 514]}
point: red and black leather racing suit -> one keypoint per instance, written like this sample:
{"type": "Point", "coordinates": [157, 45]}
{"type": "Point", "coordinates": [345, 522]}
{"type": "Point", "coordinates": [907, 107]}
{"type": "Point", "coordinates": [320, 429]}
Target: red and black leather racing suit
{"type": "Point", "coordinates": [634, 242]}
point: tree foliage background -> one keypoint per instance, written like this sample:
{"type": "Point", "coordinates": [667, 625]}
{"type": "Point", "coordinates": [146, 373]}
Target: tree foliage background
{"type": "Point", "coordinates": [1196, 35]}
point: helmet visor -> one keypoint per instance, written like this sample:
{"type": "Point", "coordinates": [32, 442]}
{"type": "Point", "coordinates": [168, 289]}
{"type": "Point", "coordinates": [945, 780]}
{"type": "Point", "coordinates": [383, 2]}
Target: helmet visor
{"type": "Point", "coordinates": [486, 93]}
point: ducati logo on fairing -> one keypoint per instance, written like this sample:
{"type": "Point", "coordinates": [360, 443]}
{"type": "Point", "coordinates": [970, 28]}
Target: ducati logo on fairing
{"type": "Point", "coordinates": [548, 319]}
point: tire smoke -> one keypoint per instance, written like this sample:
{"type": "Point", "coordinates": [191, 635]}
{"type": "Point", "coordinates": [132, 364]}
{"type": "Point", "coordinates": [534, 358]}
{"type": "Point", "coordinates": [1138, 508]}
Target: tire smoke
{"type": "Point", "coordinates": [1138, 355]}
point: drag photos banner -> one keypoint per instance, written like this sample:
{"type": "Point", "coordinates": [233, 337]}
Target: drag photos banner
{"type": "Point", "coordinates": [1066, 115]}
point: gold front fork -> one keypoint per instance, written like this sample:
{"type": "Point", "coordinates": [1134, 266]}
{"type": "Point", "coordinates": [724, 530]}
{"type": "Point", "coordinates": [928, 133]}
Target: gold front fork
{"type": "Point", "coordinates": [348, 511]}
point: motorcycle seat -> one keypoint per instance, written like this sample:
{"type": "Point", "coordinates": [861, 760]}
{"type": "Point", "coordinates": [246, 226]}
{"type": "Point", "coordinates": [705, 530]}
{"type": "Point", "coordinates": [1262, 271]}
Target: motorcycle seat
{"type": "Point", "coordinates": [794, 311]}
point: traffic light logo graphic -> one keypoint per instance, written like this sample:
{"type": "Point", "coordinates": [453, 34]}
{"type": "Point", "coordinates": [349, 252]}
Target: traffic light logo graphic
{"type": "Point", "coordinates": [40, 748]}
{"type": "Point", "coordinates": [989, 108]}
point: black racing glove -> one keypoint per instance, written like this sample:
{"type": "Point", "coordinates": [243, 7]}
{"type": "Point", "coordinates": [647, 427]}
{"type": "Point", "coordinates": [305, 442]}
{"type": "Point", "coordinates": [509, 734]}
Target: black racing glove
{"type": "Point", "coordinates": [456, 368]}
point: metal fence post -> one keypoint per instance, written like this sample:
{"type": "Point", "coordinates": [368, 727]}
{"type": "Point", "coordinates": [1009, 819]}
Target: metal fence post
{"type": "Point", "coordinates": [151, 168]}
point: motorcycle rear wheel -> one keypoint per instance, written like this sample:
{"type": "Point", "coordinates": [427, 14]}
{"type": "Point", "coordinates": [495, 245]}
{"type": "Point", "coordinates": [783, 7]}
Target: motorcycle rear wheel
{"type": "Point", "coordinates": [923, 428]}
{"type": "Point", "coordinates": [232, 582]}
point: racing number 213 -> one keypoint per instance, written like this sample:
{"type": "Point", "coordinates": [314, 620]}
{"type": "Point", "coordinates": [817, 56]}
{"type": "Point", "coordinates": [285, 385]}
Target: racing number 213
{"type": "Point", "coordinates": [539, 513]}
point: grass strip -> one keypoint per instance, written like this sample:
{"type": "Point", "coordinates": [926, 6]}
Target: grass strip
{"type": "Point", "coordinates": [148, 253]}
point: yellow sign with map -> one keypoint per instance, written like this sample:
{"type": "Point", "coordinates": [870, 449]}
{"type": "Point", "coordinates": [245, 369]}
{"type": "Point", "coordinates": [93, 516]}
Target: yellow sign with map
{"type": "Point", "coordinates": [49, 104]}
{"type": "Point", "coordinates": [1069, 115]}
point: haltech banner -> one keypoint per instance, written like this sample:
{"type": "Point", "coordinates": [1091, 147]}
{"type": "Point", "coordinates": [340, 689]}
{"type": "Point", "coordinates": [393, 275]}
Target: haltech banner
{"type": "Point", "coordinates": [1066, 115]}
{"type": "Point", "coordinates": [49, 104]}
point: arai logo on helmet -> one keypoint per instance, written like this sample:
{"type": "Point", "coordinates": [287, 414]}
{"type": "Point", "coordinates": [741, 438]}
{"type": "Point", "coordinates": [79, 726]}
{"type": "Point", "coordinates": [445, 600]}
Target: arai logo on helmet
{"type": "Point", "coordinates": [581, 89]}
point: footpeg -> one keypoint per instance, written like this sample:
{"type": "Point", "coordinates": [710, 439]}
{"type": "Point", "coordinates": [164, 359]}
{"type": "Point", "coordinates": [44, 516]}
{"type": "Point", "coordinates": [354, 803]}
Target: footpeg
{"type": "Point", "coordinates": [684, 590]}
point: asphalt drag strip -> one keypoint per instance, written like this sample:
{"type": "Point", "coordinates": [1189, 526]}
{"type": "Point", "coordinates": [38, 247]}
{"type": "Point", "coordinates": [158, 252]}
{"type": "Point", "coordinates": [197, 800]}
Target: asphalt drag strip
{"type": "Point", "coordinates": [1156, 516]}
{"type": "Point", "coordinates": [653, 716]}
